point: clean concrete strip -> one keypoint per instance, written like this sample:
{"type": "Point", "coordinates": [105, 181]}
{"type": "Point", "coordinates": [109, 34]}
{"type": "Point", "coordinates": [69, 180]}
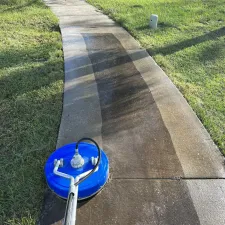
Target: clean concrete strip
{"type": "Point", "coordinates": [127, 41]}
{"type": "Point", "coordinates": [83, 10]}
{"type": "Point", "coordinates": [81, 109]}
{"type": "Point", "coordinates": [209, 200]}
{"type": "Point", "coordinates": [84, 21]}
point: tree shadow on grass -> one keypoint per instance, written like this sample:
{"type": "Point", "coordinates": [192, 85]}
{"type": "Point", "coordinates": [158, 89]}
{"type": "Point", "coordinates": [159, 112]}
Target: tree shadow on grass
{"type": "Point", "coordinates": [30, 69]}
{"type": "Point", "coordinates": [30, 130]}
{"type": "Point", "coordinates": [137, 6]}
{"type": "Point", "coordinates": [21, 6]}
{"type": "Point", "coordinates": [30, 105]}
{"type": "Point", "coordinates": [161, 25]}
{"type": "Point", "coordinates": [212, 52]}
{"type": "Point", "coordinates": [170, 49]}
{"type": "Point", "coordinates": [14, 57]}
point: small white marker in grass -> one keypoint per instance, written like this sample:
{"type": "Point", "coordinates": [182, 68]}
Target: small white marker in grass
{"type": "Point", "coordinates": [153, 21]}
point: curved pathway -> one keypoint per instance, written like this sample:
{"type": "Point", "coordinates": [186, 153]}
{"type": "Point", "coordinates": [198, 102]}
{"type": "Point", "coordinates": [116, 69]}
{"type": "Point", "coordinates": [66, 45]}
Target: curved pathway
{"type": "Point", "coordinates": [164, 167]}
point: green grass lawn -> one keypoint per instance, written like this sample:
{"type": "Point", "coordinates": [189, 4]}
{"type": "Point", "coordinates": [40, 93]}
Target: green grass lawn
{"type": "Point", "coordinates": [31, 84]}
{"type": "Point", "coordinates": [189, 45]}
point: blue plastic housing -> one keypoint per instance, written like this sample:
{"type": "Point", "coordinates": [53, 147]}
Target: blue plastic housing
{"type": "Point", "coordinates": [88, 187]}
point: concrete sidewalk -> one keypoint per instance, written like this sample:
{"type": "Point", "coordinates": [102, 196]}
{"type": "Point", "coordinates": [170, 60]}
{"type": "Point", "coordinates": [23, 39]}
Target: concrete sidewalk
{"type": "Point", "coordinates": [164, 167]}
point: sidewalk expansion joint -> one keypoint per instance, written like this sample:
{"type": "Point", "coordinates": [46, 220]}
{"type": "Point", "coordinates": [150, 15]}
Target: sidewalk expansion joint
{"type": "Point", "coordinates": [169, 178]}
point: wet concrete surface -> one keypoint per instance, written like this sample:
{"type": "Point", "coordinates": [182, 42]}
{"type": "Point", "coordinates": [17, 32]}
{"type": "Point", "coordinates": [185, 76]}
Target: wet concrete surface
{"type": "Point", "coordinates": [162, 160]}
{"type": "Point", "coordinates": [53, 209]}
{"type": "Point", "coordinates": [151, 202]}
{"type": "Point", "coordinates": [134, 135]}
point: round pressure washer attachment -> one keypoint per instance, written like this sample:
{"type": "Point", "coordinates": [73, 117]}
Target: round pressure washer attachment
{"type": "Point", "coordinates": [70, 166]}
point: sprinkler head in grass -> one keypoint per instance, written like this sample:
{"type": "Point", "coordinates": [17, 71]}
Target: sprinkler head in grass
{"type": "Point", "coordinates": [153, 23]}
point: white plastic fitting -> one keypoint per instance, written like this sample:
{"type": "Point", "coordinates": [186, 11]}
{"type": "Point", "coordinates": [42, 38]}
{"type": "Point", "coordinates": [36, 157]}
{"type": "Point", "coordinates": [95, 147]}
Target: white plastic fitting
{"type": "Point", "coordinates": [77, 161]}
{"type": "Point", "coordinates": [94, 160]}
